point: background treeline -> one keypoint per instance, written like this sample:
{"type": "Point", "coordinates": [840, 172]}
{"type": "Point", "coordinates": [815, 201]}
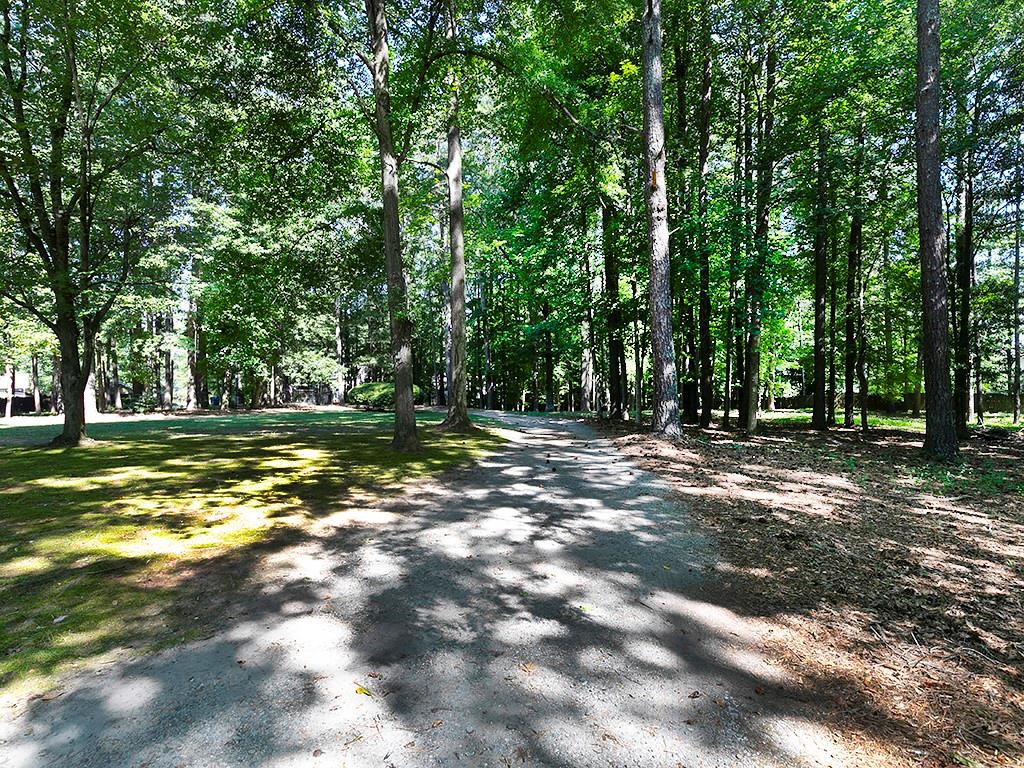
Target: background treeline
{"type": "Point", "coordinates": [191, 204]}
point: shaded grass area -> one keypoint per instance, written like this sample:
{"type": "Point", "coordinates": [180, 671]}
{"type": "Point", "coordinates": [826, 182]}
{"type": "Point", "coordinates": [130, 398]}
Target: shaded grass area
{"type": "Point", "coordinates": [114, 545]}
{"type": "Point", "coordinates": [801, 417]}
{"type": "Point", "coordinates": [902, 421]}
{"type": "Point", "coordinates": [900, 578]}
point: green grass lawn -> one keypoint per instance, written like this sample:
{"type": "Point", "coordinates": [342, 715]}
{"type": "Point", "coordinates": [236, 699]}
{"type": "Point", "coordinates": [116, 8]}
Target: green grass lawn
{"type": "Point", "coordinates": [120, 543]}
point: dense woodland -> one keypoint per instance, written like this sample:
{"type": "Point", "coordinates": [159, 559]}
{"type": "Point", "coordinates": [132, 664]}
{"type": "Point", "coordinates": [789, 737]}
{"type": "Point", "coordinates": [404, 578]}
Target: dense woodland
{"type": "Point", "coordinates": [539, 205]}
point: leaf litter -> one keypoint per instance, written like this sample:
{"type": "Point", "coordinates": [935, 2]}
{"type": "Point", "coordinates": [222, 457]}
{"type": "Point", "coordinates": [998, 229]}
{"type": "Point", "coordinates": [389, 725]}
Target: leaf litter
{"type": "Point", "coordinates": [893, 585]}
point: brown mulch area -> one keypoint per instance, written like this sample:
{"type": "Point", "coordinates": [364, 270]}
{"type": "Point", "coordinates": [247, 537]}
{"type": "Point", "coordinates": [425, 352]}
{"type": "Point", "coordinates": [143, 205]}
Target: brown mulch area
{"type": "Point", "coordinates": [899, 582]}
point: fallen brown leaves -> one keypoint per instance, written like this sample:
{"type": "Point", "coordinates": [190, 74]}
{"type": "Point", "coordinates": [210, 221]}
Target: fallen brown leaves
{"type": "Point", "coordinates": [898, 584]}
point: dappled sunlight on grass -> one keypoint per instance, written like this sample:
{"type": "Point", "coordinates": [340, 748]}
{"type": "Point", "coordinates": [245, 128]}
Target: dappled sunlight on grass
{"type": "Point", "coordinates": [91, 537]}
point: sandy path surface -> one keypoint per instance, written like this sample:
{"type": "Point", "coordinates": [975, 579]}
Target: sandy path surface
{"type": "Point", "coordinates": [546, 606]}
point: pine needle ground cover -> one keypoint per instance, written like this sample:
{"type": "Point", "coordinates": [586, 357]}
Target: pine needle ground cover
{"type": "Point", "coordinates": [893, 583]}
{"type": "Point", "coordinates": [138, 539]}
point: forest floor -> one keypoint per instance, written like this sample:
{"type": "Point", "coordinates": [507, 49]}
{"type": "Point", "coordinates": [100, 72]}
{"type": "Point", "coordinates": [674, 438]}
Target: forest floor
{"type": "Point", "coordinates": [896, 582]}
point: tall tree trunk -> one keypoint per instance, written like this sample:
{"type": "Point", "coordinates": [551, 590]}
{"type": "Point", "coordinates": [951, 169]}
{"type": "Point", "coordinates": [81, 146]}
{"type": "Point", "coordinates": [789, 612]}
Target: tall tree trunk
{"type": "Point", "coordinates": [979, 390]}
{"type": "Point", "coordinates": [616, 395]}
{"type": "Point", "coordinates": [37, 396]}
{"type": "Point", "coordinates": [689, 363]}
{"type": "Point", "coordinates": [666, 394]}
{"type": "Point", "coordinates": [9, 405]}
{"type": "Point", "coordinates": [91, 401]}
{"type": "Point", "coordinates": [850, 345]}
{"type": "Point", "coordinates": [727, 381]}
{"type": "Point", "coordinates": [99, 379]}
{"type": "Point", "coordinates": [202, 361]}
{"type": "Point", "coordinates": [156, 326]}
{"type": "Point", "coordinates": [739, 355]}
{"type": "Point", "coordinates": [1016, 291]}
{"type": "Point", "coordinates": [115, 377]}
{"type": "Point", "coordinates": [887, 352]}
{"type": "Point", "coordinates": [1009, 363]}
{"type": "Point", "coordinates": [108, 389]}
{"type": "Point", "coordinates": [819, 418]}
{"type": "Point", "coordinates": [405, 437]}
{"type": "Point", "coordinates": [445, 337]}
{"type": "Point", "coordinates": [227, 389]}
{"type": "Point", "coordinates": [862, 349]}
{"type": "Point", "coordinates": [940, 430]}
{"type": "Point", "coordinates": [56, 393]}
{"type": "Point", "coordinates": [198, 395]}
{"type": "Point", "coordinates": [535, 394]}
{"type": "Point", "coordinates": [137, 389]}
{"type": "Point", "coordinates": [734, 253]}
{"type": "Point", "coordinates": [75, 370]}
{"type": "Point", "coordinates": [638, 359]}
{"type": "Point", "coordinates": [704, 302]}
{"type": "Point", "coordinates": [748, 243]}
{"type": "Point", "coordinates": [339, 354]}
{"type": "Point", "coordinates": [904, 370]}
{"type": "Point", "coordinates": [853, 266]}
{"type": "Point", "coordinates": [484, 332]}
{"type": "Point", "coordinates": [833, 347]}
{"type": "Point", "coordinates": [964, 267]}
{"type": "Point", "coordinates": [679, 240]}
{"type": "Point", "coordinates": [458, 413]}
{"type": "Point", "coordinates": [587, 367]}
{"type": "Point", "coordinates": [588, 360]}
{"type": "Point", "coordinates": [549, 361]}
{"type": "Point", "coordinates": [168, 387]}
{"type": "Point", "coordinates": [191, 387]}
{"type": "Point", "coordinates": [136, 332]}
{"type": "Point", "coordinates": [435, 392]}
{"type": "Point", "coordinates": [756, 273]}
{"type": "Point", "coordinates": [918, 375]}
{"type": "Point", "coordinates": [975, 335]}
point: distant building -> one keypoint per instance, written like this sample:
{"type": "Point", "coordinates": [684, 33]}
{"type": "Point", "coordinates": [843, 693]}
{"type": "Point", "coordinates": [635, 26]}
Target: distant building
{"type": "Point", "coordinates": [22, 384]}
{"type": "Point", "coordinates": [24, 395]}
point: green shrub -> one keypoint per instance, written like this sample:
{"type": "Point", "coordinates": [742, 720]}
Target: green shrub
{"type": "Point", "coordinates": [379, 395]}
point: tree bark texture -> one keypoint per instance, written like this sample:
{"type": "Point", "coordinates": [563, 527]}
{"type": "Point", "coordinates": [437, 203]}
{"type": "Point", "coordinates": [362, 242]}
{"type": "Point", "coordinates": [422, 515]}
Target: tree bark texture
{"type": "Point", "coordinates": [756, 273]}
{"type": "Point", "coordinates": [940, 431]}
{"type": "Point", "coordinates": [704, 301]}
{"type": "Point", "coordinates": [819, 418]}
{"type": "Point", "coordinates": [405, 437]}
{"type": "Point", "coordinates": [666, 395]}
{"type": "Point", "coordinates": [616, 395]}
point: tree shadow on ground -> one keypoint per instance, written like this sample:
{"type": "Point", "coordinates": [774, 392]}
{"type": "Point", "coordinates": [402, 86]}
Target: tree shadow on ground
{"type": "Point", "coordinates": [96, 544]}
{"type": "Point", "coordinates": [551, 607]}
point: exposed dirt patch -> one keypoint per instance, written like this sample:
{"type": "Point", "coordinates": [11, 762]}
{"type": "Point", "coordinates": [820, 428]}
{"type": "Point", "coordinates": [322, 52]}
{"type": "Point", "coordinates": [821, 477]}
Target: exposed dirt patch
{"type": "Point", "coordinates": [894, 579]}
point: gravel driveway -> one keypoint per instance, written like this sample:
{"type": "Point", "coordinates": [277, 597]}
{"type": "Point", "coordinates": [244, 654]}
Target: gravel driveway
{"type": "Point", "coordinates": [543, 607]}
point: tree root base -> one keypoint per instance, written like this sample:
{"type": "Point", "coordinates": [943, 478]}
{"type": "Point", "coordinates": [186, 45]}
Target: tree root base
{"type": "Point", "coordinates": [60, 441]}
